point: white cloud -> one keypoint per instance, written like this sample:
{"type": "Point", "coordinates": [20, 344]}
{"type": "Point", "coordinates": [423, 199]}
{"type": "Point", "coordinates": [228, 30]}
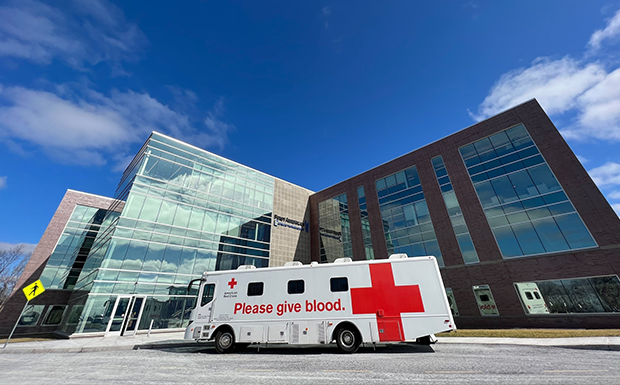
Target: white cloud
{"type": "Point", "coordinates": [610, 32]}
{"type": "Point", "coordinates": [90, 32]}
{"type": "Point", "coordinates": [28, 247]}
{"type": "Point", "coordinates": [607, 174]}
{"type": "Point", "coordinates": [586, 90]}
{"type": "Point", "coordinates": [582, 159]}
{"type": "Point", "coordinates": [75, 124]}
{"type": "Point", "coordinates": [614, 194]}
{"type": "Point", "coordinates": [3, 182]}
{"type": "Point", "coordinates": [616, 207]}
{"type": "Point", "coordinates": [555, 83]}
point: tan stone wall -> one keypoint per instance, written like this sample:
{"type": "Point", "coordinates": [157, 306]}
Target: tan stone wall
{"type": "Point", "coordinates": [288, 244]}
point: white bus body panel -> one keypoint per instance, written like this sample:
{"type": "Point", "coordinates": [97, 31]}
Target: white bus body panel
{"type": "Point", "coordinates": [405, 300]}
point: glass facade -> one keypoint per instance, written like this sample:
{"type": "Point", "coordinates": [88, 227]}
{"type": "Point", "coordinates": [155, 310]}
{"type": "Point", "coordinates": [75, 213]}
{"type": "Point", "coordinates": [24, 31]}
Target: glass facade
{"type": "Point", "coordinates": [525, 205]}
{"type": "Point", "coordinates": [361, 200]}
{"type": "Point", "coordinates": [186, 211]}
{"type": "Point", "coordinates": [468, 251]}
{"type": "Point", "coordinates": [72, 249]}
{"type": "Point", "coordinates": [406, 222]}
{"type": "Point", "coordinates": [577, 295]}
{"type": "Point", "coordinates": [334, 229]}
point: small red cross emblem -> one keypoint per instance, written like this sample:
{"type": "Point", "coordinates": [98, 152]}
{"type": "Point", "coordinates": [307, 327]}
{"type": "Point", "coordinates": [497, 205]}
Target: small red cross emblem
{"type": "Point", "coordinates": [232, 283]}
{"type": "Point", "coordinates": [387, 301]}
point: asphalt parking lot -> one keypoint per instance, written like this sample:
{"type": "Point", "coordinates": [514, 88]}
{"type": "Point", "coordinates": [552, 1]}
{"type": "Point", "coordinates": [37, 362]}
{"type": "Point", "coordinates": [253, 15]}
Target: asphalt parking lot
{"type": "Point", "coordinates": [440, 364]}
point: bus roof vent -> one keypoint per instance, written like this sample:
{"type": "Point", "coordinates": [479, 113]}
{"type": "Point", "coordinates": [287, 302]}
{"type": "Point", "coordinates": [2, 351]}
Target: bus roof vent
{"type": "Point", "coordinates": [343, 260]}
{"type": "Point", "coordinates": [293, 263]}
{"type": "Point", "coordinates": [314, 263]}
{"type": "Point", "coordinates": [246, 267]}
{"type": "Point", "coordinates": [399, 256]}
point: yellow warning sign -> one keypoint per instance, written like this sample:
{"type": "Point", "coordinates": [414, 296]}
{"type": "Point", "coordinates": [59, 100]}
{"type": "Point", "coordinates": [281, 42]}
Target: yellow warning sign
{"type": "Point", "coordinates": [33, 290]}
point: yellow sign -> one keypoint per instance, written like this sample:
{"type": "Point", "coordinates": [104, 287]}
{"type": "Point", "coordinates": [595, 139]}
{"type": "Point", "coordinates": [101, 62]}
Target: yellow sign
{"type": "Point", "coordinates": [33, 290]}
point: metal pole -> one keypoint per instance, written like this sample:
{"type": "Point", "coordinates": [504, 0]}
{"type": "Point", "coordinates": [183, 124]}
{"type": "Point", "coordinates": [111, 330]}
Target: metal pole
{"type": "Point", "coordinates": [16, 322]}
{"type": "Point", "coordinates": [150, 327]}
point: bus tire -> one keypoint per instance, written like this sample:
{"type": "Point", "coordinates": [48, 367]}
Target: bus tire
{"type": "Point", "coordinates": [224, 341]}
{"type": "Point", "coordinates": [348, 340]}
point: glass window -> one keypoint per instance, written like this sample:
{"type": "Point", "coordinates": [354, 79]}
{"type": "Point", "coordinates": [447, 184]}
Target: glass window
{"type": "Point", "coordinates": [255, 288]}
{"type": "Point", "coordinates": [467, 248]}
{"type": "Point", "coordinates": [504, 190]}
{"type": "Point", "coordinates": [527, 238]}
{"type": "Point", "coordinates": [575, 231]}
{"type": "Point", "coordinates": [486, 303]}
{"type": "Point", "coordinates": [544, 179]}
{"type": "Point", "coordinates": [507, 242]}
{"type": "Point", "coordinates": [296, 287]}
{"type": "Point", "coordinates": [550, 235]}
{"type": "Point", "coordinates": [452, 302]}
{"type": "Point", "coordinates": [207, 294]}
{"type": "Point", "coordinates": [30, 316]}
{"type": "Point", "coordinates": [576, 295]}
{"type": "Point", "coordinates": [54, 315]}
{"type": "Point", "coordinates": [339, 284]}
{"type": "Point", "coordinates": [486, 194]}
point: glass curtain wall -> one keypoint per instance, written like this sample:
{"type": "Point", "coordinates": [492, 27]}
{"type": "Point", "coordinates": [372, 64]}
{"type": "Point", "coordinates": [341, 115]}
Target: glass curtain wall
{"type": "Point", "coordinates": [187, 211]}
{"type": "Point", "coordinates": [406, 221]}
{"type": "Point", "coordinates": [524, 203]}
{"type": "Point", "coordinates": [361, 200]}
{"type": "Point", "coordinates": [66, 262]}
{"type": "Point", "coordinates": [335, 229]}
{"type": "Point", "coordinates": [468, 251]}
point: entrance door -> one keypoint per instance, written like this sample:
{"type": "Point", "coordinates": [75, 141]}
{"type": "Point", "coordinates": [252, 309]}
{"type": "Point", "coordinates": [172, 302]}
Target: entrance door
{"type": "Point", "coordinates": [125, 315]}
{"type": "Point", "coordinates": [133, 317]}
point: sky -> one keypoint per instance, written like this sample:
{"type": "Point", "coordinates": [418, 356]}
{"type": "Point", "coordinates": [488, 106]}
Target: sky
{"type": "Point", "coordinates": [311, 92]}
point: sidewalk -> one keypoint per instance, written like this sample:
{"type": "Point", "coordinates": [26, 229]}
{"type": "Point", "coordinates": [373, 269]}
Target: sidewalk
{"type": "Point", "coordinates": [94, 344]}
{"type": "Point", "coordinates": [175, 340]}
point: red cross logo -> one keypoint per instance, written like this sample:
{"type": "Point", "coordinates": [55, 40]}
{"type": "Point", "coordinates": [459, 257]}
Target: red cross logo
{"type": "Point", "coordinates": [232, 283]}
{"type": "Point", "coordinates": [387, 301]}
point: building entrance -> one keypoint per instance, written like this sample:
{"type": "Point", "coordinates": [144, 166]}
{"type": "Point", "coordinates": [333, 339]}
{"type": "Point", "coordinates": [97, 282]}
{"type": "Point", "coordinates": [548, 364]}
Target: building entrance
{"type": "Point", "coordinates": [126, 315]}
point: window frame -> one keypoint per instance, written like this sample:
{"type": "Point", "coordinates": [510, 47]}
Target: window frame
{"type": "Point", "coordinates": [255, 293]}
{"type": "Point", "coordinates": [296, 282]}
{"type": "Point", "coordinates": [49, 310]}
{"type": "Point", "coordinates": [331, 284]}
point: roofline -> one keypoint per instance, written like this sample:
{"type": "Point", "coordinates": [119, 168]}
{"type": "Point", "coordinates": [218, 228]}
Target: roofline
{"type": "Point", "coordinates": [433, 142]}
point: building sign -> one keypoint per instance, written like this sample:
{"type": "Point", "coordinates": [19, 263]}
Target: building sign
{"type": "Point", "coordinates": [291, 223]}
{"type": "Point", "coordinates": [330, 233]}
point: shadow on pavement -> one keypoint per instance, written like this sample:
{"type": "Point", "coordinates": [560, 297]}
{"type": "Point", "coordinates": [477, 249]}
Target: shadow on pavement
{"type": "Point", "coordinates": [282, 349]}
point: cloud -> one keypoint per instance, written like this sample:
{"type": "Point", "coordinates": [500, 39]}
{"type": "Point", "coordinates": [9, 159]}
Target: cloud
{"type": "Point", "coordinates": [555, 83]}
{"type": "Point", "coordinates": [585, 91]}
{"type": "Point", "coordinates": [90, 32]}
{"type": "Point", "coordinates": [326, 12]}
{"type": "Point", "coordinates": [3, 182]}
{"type": "Point", "coordinates": [74, 124]}
{"type": "Point", "coordinates": [616, 207]}
{"type": "Point", "coordinates": [611, 32]}
{"type": "Point", "coordinates": [614, 194]}
{"type": "Point", "coordinates": [582, 159]}
{"type": "Point", "coordinates": [607, 174]}
{"type": "Point", "coordinates": [28, 247]}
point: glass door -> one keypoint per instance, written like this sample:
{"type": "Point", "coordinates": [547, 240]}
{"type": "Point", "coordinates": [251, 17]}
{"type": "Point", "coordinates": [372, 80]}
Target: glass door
{"type": "Point", "coordinates": [119, 312]}
{"type": "Point", "coordinates": [133, 317]}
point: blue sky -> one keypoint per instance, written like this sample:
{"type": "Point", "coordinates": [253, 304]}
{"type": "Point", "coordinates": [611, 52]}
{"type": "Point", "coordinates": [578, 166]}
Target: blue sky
{"type": "Point", "coordinates": [311, 92]}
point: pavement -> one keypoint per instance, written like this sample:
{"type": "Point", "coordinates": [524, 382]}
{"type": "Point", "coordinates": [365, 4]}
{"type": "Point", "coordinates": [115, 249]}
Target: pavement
{"type": "Point", "coordinates": [175, 340]}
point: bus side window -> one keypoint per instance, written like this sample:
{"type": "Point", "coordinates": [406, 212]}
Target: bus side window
{"type": "Point", "coordinates": [255, 288]}
{"type": "Point", "coordinates": [528, 295]}
{"type": "Point", "coordinates": [207, 294]}
{"type": "Point", "coordinates": [339, 284]}
{"type": "Point", "coordinates": [536, 295]}
{"type": "Point", "coordinates": [296, 287]}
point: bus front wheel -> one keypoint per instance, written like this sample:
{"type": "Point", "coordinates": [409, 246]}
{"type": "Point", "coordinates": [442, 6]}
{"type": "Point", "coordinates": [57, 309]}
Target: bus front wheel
{"type": "Point", "coordinates": [224, 341]}
{"type": "Point", "coordinates": [347, 340]}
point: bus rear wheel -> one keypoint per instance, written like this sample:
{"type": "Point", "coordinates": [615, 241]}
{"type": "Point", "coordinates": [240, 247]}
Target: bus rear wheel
{"type": "Point", "coordinates": [224, 341]}
{"type": "Point", "coordinates": [347, 340]}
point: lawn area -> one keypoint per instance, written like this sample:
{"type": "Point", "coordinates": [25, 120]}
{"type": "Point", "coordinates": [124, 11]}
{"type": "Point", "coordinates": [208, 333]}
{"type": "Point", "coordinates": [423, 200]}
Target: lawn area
{"type": "Point", "coordinates": [532, 333]}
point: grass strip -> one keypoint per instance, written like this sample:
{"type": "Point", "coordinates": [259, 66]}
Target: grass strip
{"type": "Point", "coordinates": [532, 333]}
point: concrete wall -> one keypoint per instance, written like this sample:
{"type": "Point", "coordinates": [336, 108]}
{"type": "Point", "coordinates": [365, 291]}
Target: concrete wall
{"type": "Point", "coordinates": [288, 244]}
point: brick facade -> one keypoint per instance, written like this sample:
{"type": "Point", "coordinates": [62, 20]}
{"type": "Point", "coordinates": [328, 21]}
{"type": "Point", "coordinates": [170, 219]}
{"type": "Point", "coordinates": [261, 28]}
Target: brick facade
{"type": "Point", "coordinates": [493, 270]}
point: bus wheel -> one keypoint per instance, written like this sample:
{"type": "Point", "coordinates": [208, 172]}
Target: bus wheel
{"type": "Point", "coordinates": [347, 340]}
{"type": "Point", "coordinates": [224, 341]}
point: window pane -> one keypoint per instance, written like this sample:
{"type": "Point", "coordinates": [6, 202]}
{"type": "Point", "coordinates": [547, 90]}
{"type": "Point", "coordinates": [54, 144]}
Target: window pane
{"type": "Point", "coordinates": [255, 288]}
{"type": "Point", "coordinates": [523, 184]}
{"type": "Point", "coordinates": [339, 284]}
{"type": "Point", "coordinates": [504, 190]}
{"type": "Point", "coordinates": [583, 296]}
{"type": "Point", "coordinates": [507, 242]}
{"type": "Point", "coordinates": [575, 231]}
{"type": "Point", "coordinates": [296, 287]}
{"type": "Point", "coordinates": [486, 194]}
{"type": "Point", "coordinates": [608, 290]}
{"type": "Point", "coordinates": [486, 303]}
{"type": "Point", "coordinates": [544, 179]}
{"type": "Point", "coordinates": [528, 239]}
{"type": "Point", "coordinates": [467, 249]}
{"type": "Point", "coordinates": [550, 235]}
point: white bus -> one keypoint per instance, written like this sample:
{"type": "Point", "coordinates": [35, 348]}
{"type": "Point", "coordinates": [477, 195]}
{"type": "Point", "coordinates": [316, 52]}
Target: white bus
{"type": "Point", "coordinates": [391, 300]}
